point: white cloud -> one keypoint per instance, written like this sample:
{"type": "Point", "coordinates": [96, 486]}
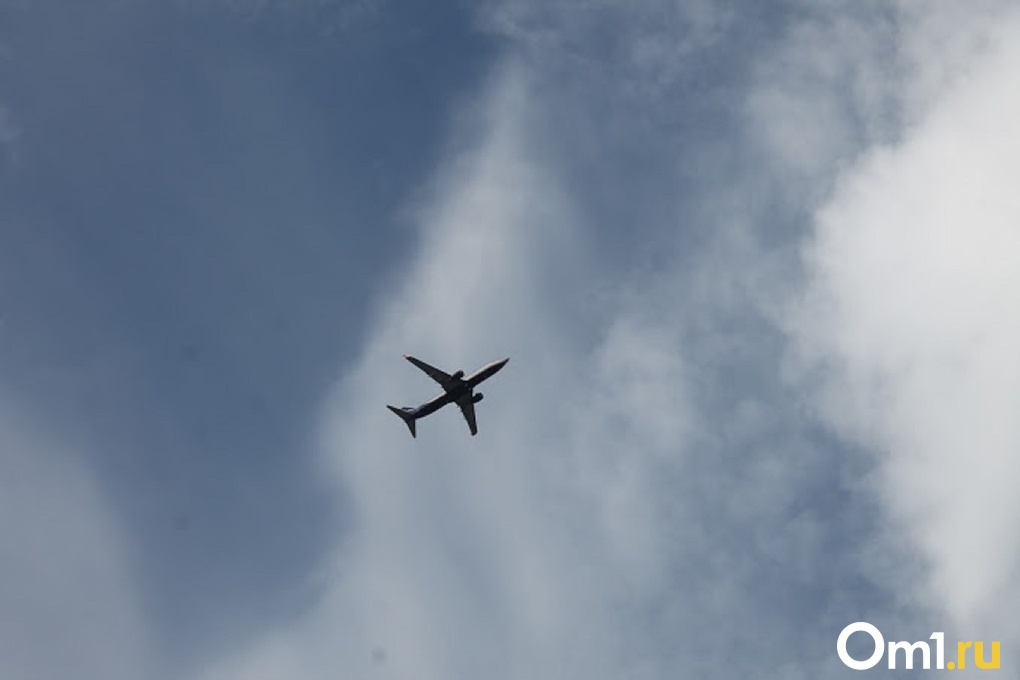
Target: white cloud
{"type": "Point", "coordinates": [508, 554]}
{"type": "Point", "coordinates": [830, 87]}
{"type": "Point", "coordinates": [913, 309]}
{"type": "Point", "coordinates": [641, 500]}
{"type": "Point", "coordinates": [67, 606]}
{"type": "Point", "coordinates": [451, 567]}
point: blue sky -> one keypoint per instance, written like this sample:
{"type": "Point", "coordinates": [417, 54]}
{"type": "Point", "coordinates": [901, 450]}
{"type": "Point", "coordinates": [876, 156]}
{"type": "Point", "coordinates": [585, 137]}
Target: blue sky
{"type": "Point", "coordinates": [197, 208]}
{"type": "Point", "coordinates": [754, 265]}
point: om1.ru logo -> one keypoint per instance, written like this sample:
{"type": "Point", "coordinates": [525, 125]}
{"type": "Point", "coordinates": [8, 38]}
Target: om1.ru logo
{"type": "Point", "coordinates": [909, 649]}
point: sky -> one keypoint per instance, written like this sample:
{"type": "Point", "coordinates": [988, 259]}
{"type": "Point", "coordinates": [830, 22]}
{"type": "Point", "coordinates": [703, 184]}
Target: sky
{"type": "Point", "coordinates": [756, 267]}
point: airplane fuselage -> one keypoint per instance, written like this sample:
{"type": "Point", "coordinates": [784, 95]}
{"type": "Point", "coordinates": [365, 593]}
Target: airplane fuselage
{"type": "Point", "coordinates": [458, 388]}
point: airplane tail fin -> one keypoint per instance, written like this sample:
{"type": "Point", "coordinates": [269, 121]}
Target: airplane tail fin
{"type": "Point", "coordinates": [407, 416]}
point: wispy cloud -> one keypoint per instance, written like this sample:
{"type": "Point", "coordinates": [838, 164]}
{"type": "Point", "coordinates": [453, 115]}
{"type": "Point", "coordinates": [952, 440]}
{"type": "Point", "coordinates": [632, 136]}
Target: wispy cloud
{"type": "Point", "coordinates": [69, 606]}
{"type": "Point", "coordinates": [912, 311]}
{"type": "Point", "coordinates": [455, 568]}
{"type": "Point", "coordinates": [674, 475]}
{"type": "Point", "coordinates": [646, 494]}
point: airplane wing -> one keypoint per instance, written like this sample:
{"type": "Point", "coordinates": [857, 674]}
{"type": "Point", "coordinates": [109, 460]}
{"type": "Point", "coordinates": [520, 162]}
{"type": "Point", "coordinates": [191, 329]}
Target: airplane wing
{"type": "Point", "coordinates": [467, 407]}
{"type": "Point", "coordinates": [433, 372]}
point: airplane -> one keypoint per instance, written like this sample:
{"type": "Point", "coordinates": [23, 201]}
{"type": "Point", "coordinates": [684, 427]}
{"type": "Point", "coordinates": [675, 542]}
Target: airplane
{"type": "Point", "coordinates": [456, 390]}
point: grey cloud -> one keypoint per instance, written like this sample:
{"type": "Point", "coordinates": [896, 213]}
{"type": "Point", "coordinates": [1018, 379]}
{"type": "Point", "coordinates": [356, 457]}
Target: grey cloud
{"type": "Point", "coordinates": [70, 608]}
{"type": "Point", "coordinates": [656, 502]}
{"type": "Point", "coordinates": [649, 496]}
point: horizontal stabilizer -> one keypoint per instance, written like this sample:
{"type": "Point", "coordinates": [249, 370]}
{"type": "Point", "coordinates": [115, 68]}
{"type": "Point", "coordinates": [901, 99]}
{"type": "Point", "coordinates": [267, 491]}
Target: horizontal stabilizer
{"type": "Point", "coordinates": [407, 415]}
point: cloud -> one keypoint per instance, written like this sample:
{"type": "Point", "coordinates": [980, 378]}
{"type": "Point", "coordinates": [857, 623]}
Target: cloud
{"type": "Point", "coordinates": [67, 603]}
{"type": "Point", "coordinates": [826, 90]}
{"type": "Point", "coordinates": [508, 554]}
{"type": "Point", "coordinates": [911, 311]}
{"type": "Point", "coordinates": [647, 495]}
{"type": "Point", "coordinates": [449, 568]}
{"type": "Point", "coordinates": [643, 495]}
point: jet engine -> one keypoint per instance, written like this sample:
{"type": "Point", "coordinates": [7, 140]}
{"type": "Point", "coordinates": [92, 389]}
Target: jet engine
{"type": "Point", "coordinates": [458, 375]}
{"type": "Point", "coordinates": [477, 398]}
